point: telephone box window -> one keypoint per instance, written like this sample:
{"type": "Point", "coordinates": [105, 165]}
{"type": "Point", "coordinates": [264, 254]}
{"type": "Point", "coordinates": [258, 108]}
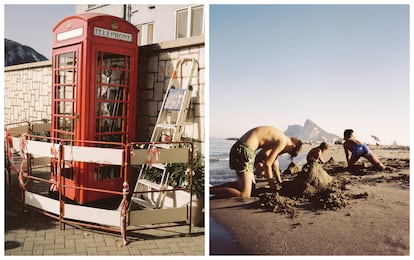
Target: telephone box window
{"type": "Point", "coordinates": [65, 94]}
{"type": "Point", "coordinates": [111, 91]}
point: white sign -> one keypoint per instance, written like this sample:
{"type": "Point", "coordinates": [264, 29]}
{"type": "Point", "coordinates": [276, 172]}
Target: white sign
{"type": "Point", "coordinates": [112, 34]}
{"type": "Point", "coordinates": [69, 34]}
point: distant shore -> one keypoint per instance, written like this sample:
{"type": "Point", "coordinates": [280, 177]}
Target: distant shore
{"type": "Point", "coordinates": [377, 224]}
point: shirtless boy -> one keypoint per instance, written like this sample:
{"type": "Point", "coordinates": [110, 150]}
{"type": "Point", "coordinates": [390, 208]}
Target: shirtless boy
{"type": "Point", "coordinates": [358, 150]}
{"type": "Point", "coordinates": [315, 154]}
{"type": "Point", "coordinates": [242, 157]}
{"type": "Point", "coordinates": [260, 163]}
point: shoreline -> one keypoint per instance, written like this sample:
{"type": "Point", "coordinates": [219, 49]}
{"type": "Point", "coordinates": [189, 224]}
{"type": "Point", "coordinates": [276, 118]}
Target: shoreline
{"type": "Point", "coordinates": [224, 243]}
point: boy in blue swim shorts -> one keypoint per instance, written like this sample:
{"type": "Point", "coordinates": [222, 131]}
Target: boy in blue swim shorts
{"type": "Point", "coordinates": [354, 150]}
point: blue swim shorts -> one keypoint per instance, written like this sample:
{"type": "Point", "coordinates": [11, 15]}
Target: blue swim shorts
{"type": "Point", "coordinates": [360, 150]}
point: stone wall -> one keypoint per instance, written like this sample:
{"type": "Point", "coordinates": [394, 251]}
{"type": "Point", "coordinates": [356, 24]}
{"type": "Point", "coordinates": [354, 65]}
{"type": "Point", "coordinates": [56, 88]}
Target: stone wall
{"type": "Point", "coordinates": [27, 92]}
{"type": "Point", "coordinates": [27, 88]}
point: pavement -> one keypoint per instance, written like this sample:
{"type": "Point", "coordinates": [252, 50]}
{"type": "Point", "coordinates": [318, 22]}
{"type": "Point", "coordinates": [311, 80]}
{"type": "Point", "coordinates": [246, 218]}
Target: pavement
{"type": "Point", "coordinates": [28, 232]}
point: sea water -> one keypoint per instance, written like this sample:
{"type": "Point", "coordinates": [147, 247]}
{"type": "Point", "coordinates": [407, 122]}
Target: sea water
{"type": "Point", "coordinates": [220, 171]}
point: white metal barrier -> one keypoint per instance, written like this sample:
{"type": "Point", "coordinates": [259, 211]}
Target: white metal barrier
{"type": "Point", "coordinates": [178, 201]}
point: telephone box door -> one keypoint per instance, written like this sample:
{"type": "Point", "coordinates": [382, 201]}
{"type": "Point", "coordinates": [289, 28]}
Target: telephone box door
{"type": "Point", "coordinates": [65, 110]}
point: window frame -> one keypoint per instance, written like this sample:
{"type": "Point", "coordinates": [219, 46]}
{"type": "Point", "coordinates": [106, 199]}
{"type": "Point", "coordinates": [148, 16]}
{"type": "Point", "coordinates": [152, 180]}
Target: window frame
{"type": "Point", "coordinates": [144, 38]}
{"type": "Point", "coordinates": [190, 15]}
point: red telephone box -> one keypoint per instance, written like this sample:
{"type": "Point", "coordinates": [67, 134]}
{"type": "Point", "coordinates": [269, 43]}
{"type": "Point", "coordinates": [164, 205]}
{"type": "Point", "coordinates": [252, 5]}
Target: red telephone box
{"type": "Point", "coordinates": [95, 60]}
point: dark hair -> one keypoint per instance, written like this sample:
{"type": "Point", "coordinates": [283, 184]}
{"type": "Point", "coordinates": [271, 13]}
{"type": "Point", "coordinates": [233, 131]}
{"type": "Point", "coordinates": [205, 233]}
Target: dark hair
{"type": "Point", "coordinates": [348, 133]}
{"type": "Point", "coordinates": [323, 146]}
{"type": "Point", "coordinates": [298, 146]}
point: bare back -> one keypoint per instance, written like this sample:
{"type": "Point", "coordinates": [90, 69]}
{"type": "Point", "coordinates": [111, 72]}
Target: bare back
{"type": "Point", "coordinates": [350, 143]}
{"type": "Point", "coordinates": [264, 137]}
{"type": "Point", "coordinates": [314, 154]}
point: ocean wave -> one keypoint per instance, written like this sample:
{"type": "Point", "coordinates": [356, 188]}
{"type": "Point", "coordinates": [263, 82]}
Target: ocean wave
{"type": "Point", "coordinates": [218, 159]}
{"type": "Point", "coordinates": [222, 179]}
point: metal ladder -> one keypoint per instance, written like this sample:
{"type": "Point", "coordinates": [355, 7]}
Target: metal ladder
{"type": "Point", "coordinates": [169, 127]}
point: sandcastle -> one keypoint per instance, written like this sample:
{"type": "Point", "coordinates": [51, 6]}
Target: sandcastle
{"type": "Point", "coordinates": [311, 180]}
{"type": "Point", "coordinates": [312, 184]}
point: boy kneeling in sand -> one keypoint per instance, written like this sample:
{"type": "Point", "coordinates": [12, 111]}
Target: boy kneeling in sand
{"type": "Point", "coordinates": [242, 157]}
{"type": "Point", "coordinates": [315, 154]}
{"type": "Point", "coordinates": [358, 150]}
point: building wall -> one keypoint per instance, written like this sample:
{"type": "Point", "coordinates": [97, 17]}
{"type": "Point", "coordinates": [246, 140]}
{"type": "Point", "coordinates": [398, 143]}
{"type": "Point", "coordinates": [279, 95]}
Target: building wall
{"type": "Point", "coordinates": [156, 64]}
{"type": "Point", "coordinates": [27, 92]}
{"type": "Point", "coordinates": [162, 15]}
{"type": "Point", "coordinates": [27, 88]}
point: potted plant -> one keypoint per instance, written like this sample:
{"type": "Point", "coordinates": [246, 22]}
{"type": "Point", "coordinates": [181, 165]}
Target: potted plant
{"type": "Point", "coordinates": [180, 177]}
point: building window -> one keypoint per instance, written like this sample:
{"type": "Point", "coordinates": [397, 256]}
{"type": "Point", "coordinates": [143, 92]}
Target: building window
{"type": "Point", "coordinates": [93, 6]}
{"type": "Point", "coordinates": [146, 34]}
{"type": "Point", "coordinates": [189, 22]}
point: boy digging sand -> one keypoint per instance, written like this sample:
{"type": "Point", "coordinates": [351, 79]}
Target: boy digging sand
{"type": "Point", "coordinates": [242, 157]}
{"type": "Point", "coordinates": [315, 154]}
{"type": "Point", "coordinates": [358, 150]}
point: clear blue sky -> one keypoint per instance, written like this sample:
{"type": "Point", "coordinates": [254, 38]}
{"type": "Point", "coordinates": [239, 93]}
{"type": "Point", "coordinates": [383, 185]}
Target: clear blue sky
{"type": "Point", "coordinates": [342, 66]}
{"type": "Point", "coordinates": [32, 25]}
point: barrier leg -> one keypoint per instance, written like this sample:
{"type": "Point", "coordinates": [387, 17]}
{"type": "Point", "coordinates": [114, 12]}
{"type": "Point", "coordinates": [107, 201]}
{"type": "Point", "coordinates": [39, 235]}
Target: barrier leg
{"type": "Point", "coordinates": [123, 212]}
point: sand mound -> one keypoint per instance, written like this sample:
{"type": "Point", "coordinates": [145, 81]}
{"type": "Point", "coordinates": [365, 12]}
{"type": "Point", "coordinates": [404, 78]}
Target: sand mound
{"type": "Point", "coordinates": [311, 180]}
{"type": "Point", "coordinates": [278, 203]}
{"type": "Point", "coordinates": [293, 168]}
{"type": "Point", "coordinates": [314, 185]}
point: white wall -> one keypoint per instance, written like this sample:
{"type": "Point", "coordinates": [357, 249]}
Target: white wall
{"type": "Point", "coordinates": [162, 15]}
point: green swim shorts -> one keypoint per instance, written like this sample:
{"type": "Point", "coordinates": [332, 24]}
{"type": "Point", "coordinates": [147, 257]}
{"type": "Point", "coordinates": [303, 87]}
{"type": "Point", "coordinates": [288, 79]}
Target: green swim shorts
{"type": "Point", "coordinates": [241, 158]}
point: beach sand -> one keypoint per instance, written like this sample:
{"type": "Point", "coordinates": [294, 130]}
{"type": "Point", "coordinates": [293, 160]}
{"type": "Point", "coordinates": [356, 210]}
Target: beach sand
{"type": "Point", "coordinates": [375, 220]}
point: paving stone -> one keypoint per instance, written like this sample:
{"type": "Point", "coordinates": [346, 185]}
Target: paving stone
{"type": "Point", "coordinates": [31, 233]}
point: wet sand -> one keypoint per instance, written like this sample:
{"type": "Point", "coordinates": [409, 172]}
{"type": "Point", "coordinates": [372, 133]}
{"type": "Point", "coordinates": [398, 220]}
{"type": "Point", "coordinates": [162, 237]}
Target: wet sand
{"type": "Point", "coordinates": [222, 240]}
{"type": "Point", "coordinates": [374, 224]}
